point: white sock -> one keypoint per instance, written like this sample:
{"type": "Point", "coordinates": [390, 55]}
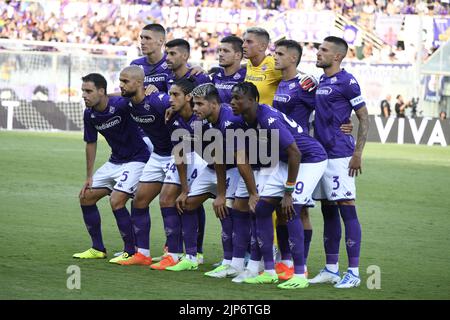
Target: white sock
{"type": "Point", "coordinates": [237, 263]}
{"type": "Point", "coordinates": [355, 271]}
{"type": "Point", "coordinates": [271, 272]}
{"type": "Point", "coordinates": [287, 262]}
{"type": "Point", "coordinates": [191, 258]}
{"type": "Point", "coordinates": [175, 256]}
{"type": "Point", "coordinates": [333, 267]}
{"type": "Point", "coordinates": [306, 268]}
{"type": "Point", "coordinates": [145, 252]}
{"type": "Point", "coordinates": [226, 262]}
{"type": "Point", "coordinates": [253, 266]}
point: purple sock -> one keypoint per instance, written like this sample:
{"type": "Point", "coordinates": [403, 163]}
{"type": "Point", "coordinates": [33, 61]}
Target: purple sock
{"type": "Point", "coordinates": [172, 227]}
{"type": "Point", "coordinates": [297, 240]}
{"type": "Point", "coordinates": [241, 232]}
{"type": "Point", "coordinates": [255, 252]}
{"type": "Point", "coordinates": [283, 242]}
{"type": "Point", "coordinates": [201, 228]}
{"type": "Point", "coordinates": [180, 236]}
{"type": "Point", "coordinates": [141, 226]}
{"type": "Point", "coordinates": [227, 235]}
{"type": "Point", "coordinates": [352, 234]}
{"type": "Point", "coordinates": [125, 225]}
{"type": "Point", "coordinates": [331, 232]}
{"type": "Point", "coordinates": [189, 225]}
{"type": "Point", "coordinates": [308, 237]}
{"type": "Point", "coordinates": [264, 232]}
{"type": "Point", "coordinates": [92, 221]}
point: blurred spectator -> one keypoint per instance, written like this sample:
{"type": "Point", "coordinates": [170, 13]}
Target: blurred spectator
{"type": "Point", "coordinates": [385, 107]}
{"type": "Point", "coordinates": [400, 107]}
{"type": "Point", "coordinates": [111, 22]}
{"type": "Point", "coordinates": [443, 115]}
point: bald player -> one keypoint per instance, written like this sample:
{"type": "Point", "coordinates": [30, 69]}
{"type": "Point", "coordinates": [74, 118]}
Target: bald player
{"type": "Point", "coordinates": [148, 112]}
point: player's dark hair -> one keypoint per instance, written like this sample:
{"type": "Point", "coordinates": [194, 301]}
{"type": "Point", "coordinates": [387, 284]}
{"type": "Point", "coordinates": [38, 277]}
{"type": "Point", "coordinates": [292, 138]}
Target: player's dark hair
{"type": "Point", "coordinates": [155, 27]}
{"type": "Point", "coordinates": [186, 84]}
{"type": "Point", "coordinates": [207, 91]}
{"type": "Point", "coordinates": [291, 44]}
{"type": "Point", "coordinates": [97, 79]}
{"type": "Point", "coordinates": [341, 43]}
{"type": "Point", "coordinates": [247, 88]}
{"type": "Point", "coordinates": [181, 43]}
{"type": "Point", "coordinates": [235, 42]}
{"type": "Point", "coordinates": [261, 32]}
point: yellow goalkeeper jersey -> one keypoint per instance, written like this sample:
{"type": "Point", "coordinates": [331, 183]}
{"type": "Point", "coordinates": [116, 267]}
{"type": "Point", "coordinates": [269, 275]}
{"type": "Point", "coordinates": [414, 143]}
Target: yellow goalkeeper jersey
{"type": "Point", "coordinates": [265, 78]}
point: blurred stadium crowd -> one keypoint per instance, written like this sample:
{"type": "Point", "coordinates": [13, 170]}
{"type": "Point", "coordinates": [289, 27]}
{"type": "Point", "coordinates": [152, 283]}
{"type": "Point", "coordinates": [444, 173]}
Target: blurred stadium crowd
{"type": "Point", "coordinates": [106, 25]}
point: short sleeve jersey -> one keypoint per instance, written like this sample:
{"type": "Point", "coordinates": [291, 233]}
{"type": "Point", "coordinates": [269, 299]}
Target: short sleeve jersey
{"type": "Point", "coordinates": [297, 103]}
{"type": "Point", "coordinates": [289, 132]}
{"type": "Point", "coordinates": [120, 131]}
{"type": "Point", "coordinates": [150, 116]}
{"type": "Point", "coordinates": [155, 74]}
{"type": "Point", "coordinates": [336, 97]}
{"type": "Point", "coordinates": [224, 83]}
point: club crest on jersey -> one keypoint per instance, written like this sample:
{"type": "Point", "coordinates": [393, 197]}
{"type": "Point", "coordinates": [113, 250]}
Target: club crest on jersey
{"type": "Point", "coordinates": [112, 109]}
{"type": "Point", "coordinates": [271, 120]}
{"type": "Point", "coordinates": [147, 106]}
{"type": "Point", "coordinates": [237, 76]}
{"type": "Point", "coordinates": [333, 80]}
{"type": "Point", "coordinates": [92, 116]}
{"type": "Point", "coordinates": [164, 65]}
{"type": "Point", "coordinates": [292, 85]}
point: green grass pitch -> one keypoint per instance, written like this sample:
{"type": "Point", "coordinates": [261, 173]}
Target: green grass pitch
{"type": "Point", "coordinates": [403, 203]}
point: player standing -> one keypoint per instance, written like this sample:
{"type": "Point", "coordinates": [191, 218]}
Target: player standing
{"type": "Point", "coordinates": [230, 72]}
{"type": "Point", "coordinates": [337, 96]}
{"type": "Point", "coordinates": [110, 117]}
{"type": "Point", "coordinates": [154, 64]}
{"type": "Point", "coordinates": [178, 52]}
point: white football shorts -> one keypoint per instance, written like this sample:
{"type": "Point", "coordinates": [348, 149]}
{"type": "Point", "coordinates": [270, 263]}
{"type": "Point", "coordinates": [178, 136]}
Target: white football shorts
{"type": "Point", "coordinates": [155, 169]}
{"type": "Point", "coordinates": [307, 179]}
{"type": "Point", "coordinates": [121, 177]}
{"type": "Point", "coordinates": [206, 182]}
{"type": "Point", "coordinates": [336, 184]}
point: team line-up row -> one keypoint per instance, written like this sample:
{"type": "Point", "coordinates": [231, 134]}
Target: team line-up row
{"type": "Point", "coordinates": [161, 96]}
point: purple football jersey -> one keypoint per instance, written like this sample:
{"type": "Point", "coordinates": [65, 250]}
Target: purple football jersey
{"type": "Point", "coordinates": [155, 74]}
{"type": "Point", "coordinates": [228, 121]}
{"type": "Point", "coordinates": [289, 132]}
{"type": "Point", "coordinates": [149, 115]}
{"type": "Point", "coordinates": [194, 126]}
{"type": "Point", "coordinates": [119, 130]}
{"type": "Point", "coordinates": [199, 78]}
{"type": "Point", "coordinates": [294, 102]}
{"type": "Point", "coordinates": [224, 83]}
{"type": "Point", "coordinates": [336, 97]}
